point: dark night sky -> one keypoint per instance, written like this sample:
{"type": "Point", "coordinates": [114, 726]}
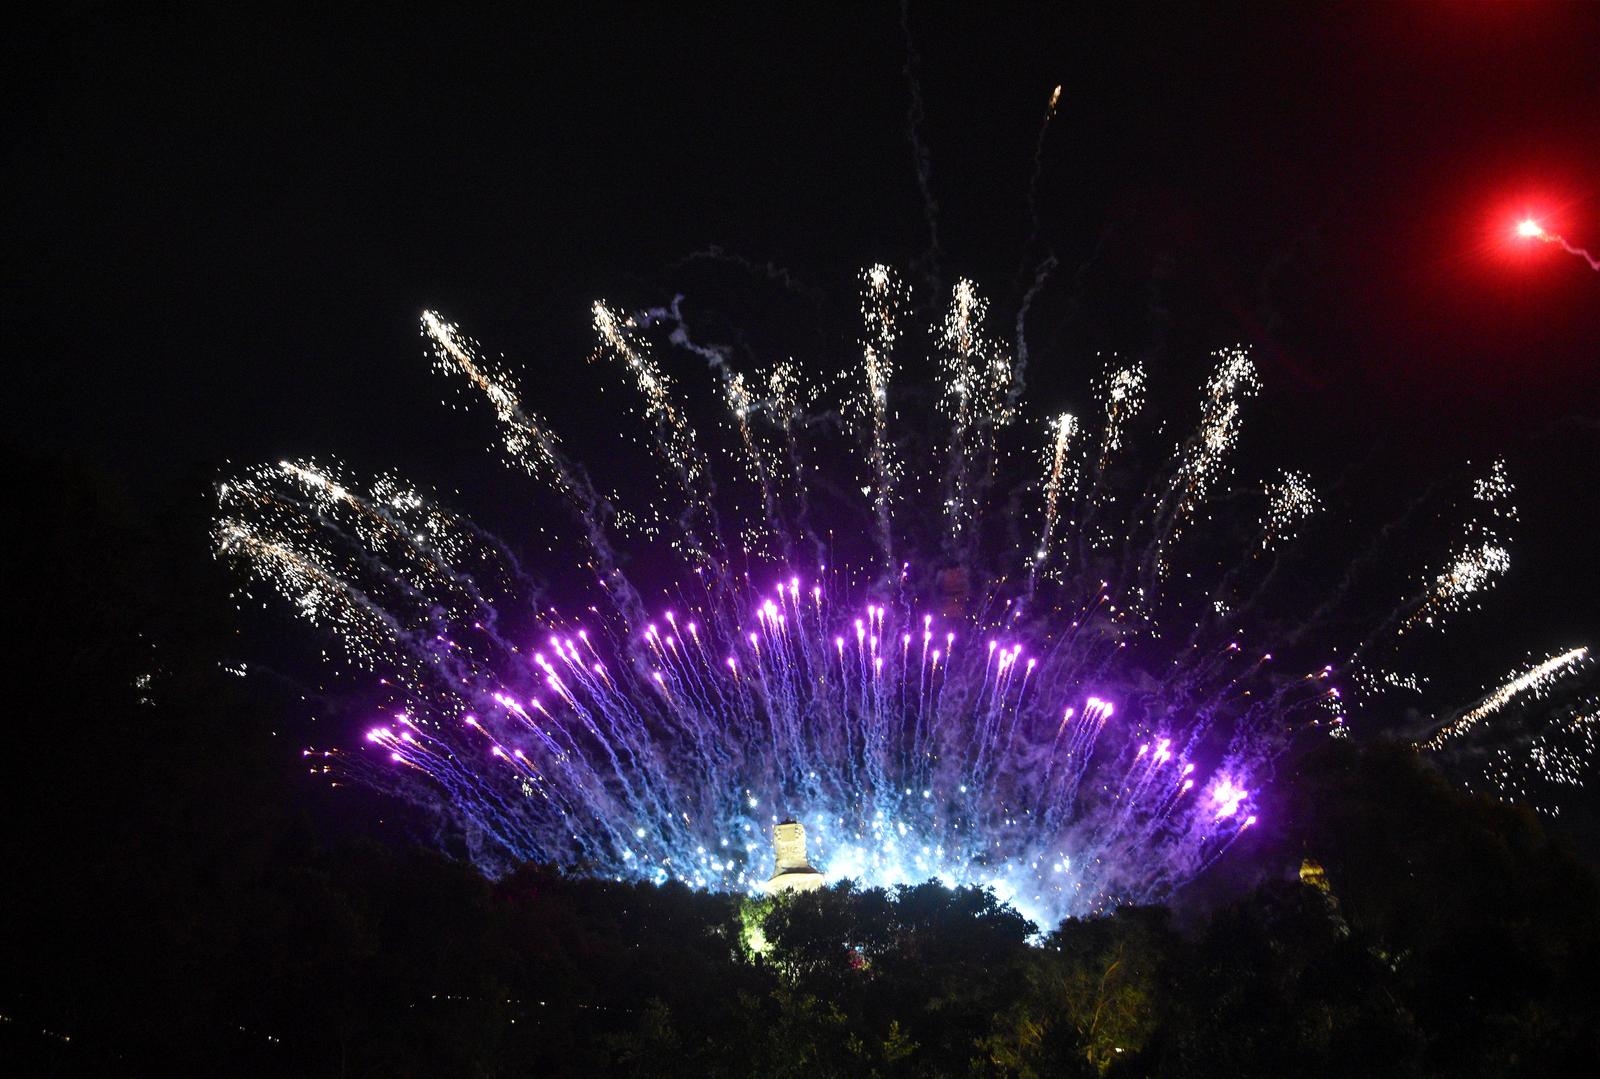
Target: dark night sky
{"type": "Point", "coordinates": [221, 225]}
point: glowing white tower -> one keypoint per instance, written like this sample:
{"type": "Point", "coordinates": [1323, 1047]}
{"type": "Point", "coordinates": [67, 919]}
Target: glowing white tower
{"type": "Point", "coordinates": [793, 872]}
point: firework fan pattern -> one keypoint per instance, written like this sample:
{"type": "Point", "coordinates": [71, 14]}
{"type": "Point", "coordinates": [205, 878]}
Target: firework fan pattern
{"type": "Point", "coordinates": [946, 665]}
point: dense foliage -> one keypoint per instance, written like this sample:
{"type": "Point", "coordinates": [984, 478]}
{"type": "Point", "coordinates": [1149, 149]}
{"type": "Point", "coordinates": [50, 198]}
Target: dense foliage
{"type": "Point", "coordinates": [169, 910]}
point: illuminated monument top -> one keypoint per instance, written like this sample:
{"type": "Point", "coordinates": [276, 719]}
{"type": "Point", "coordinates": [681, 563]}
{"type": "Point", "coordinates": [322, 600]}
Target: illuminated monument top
{"type": "Point", "coordinates": [793, 872]}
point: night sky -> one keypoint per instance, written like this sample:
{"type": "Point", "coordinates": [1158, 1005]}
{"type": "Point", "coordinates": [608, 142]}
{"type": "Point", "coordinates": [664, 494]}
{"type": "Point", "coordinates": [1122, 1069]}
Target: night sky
{"type": "Point", "coordinates": [221, 225]}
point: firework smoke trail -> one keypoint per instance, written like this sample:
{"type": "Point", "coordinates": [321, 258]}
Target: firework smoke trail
{"type": "Point", "coordinates": [977, 376]}
{"type": "Point", "coordinates": [921, 158]}
{"type": "Point", "coordinates": [1046, 265]}
{"type": "Point", "coordinates": [1034, 737]}
{"type": "Point", "coordinates": [881, 306]}
{"type": "Point", "coordinates": [778, 401]}
{"type": "Point", "coordinates": [1532, 230]}
{"type": "Point", "coordinates": [1033, 182]}
{"type": "Point", "coordinates": [1583, 253]}
{"type": "Point", "coordinates": [740, 402]}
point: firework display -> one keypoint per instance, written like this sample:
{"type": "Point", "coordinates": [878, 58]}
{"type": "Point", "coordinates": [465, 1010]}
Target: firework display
{"type": "Point", "coordinates": [1043, 680]}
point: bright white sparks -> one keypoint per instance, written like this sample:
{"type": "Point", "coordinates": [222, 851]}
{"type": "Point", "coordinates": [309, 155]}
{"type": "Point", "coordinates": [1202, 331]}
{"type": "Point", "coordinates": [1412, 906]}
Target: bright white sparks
{"type": "Point", "coordinates": [1480, 560]}
{"type": "Point", "coordinates": [1290, 501]}
{"type": "Point", "coordinates": [1536, 681]}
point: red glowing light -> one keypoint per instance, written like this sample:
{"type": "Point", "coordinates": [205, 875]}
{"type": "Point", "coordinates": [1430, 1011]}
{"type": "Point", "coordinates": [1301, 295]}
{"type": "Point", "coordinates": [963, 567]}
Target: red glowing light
{"type": "Point", "coordinates": [1529, 229]}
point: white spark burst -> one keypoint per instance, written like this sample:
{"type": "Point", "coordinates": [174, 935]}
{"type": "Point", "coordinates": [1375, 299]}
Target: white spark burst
{"type": "Point", "coordinates": [1480, 560]}
{"type": "Point", "coordinates": [1290, 501]}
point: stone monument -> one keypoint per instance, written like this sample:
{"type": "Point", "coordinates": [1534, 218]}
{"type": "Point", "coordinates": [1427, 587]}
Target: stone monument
{"type": "Point", "coordinates": [793, 872]}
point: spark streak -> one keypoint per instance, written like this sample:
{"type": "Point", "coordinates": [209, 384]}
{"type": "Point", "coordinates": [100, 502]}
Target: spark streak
{"type": "Point", "coordinates": [1529, 229]}
{"type": "Point", "coordinates": [1536, 680]}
